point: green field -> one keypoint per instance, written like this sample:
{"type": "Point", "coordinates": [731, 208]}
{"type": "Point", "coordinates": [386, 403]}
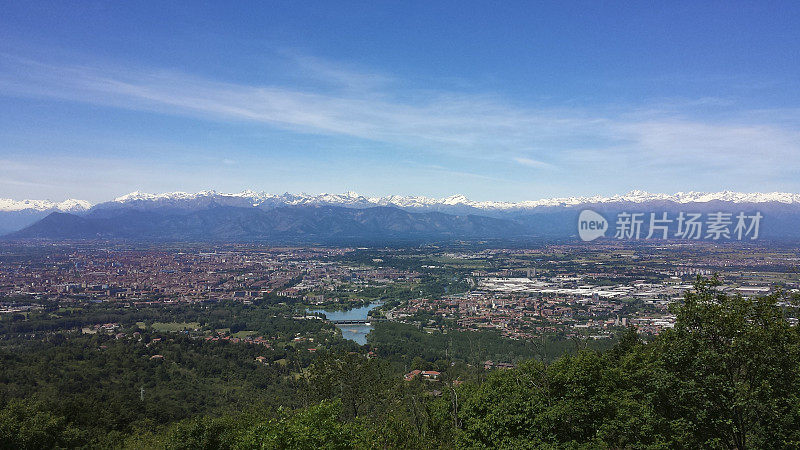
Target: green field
{"type": "Point", "coordinates": [243, 334]}
{"type": "Point", "coordinates": [174, 326]}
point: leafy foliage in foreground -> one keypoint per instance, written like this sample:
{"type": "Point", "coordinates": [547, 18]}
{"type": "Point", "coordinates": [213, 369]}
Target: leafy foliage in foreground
{"type": "Point", "coordinates": [725, 377]}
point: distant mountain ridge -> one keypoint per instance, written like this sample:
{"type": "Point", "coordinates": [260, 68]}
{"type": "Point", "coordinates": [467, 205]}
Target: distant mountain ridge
{"type": "Point", "coordinates": [299, 217]}
{"type": "Point", "coordinates": [327, 224]}
{"type": "Point", "coordinates": [69, 205]}
{"type": "Point", "coordinates": [354, 200]}
{"type": "Point", "coordinates": [15, 215]}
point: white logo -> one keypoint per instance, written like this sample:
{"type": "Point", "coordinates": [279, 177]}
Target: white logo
{"type": "Point", "coordinates": [591, 225]}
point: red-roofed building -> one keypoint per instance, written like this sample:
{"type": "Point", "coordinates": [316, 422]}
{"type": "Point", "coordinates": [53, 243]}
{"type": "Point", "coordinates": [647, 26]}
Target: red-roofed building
{"type": "Point", "coordinates": [411, 375]}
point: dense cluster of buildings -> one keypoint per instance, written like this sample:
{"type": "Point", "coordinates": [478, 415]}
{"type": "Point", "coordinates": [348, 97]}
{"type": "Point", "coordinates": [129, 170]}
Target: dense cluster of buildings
{"type": "Point", "coordinates": [185, 275]}
{"type": "Point", "coordinates": [563, 289]}
{"type": "Point", "coordinates": [522, 307]}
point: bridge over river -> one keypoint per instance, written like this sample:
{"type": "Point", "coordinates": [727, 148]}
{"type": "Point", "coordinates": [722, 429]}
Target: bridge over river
{"type": "Point", "coordinates": [356, 321]}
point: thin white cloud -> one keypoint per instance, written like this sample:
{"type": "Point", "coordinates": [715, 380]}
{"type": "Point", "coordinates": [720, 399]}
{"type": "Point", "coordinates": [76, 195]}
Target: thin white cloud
{"type": "Point", "coordinates": [533, 163]}
{"type": "Point", "coordinates": [458, 124]}
{"type": "Point", "coordinates": [333, 74]}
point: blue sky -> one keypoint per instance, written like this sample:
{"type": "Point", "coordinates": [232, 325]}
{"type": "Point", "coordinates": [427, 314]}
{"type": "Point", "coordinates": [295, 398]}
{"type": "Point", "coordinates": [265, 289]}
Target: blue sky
{"type": "Point", "coordinates": [494, 100]}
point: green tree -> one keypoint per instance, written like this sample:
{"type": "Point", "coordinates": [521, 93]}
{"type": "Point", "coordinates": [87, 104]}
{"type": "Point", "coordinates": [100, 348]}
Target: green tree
{"type": "Point", "coordinates": [317, 427]}
{"type": "Point", "coordinates": [727, 374]}
{"type": "Point", "coordinates": [24, 425]}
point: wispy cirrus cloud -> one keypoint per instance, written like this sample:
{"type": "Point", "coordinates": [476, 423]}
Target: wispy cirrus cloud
{"type": "Point", "coordinates": [466, 125]}
{"type": "Point", "coordinates": [338, 75]}
{"type": "Point", "coordinates": [533, 163]}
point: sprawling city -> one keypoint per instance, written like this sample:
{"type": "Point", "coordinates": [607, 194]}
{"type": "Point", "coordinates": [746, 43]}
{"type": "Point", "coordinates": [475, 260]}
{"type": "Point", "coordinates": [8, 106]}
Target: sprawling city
{"type": "Point", "coordinates": [564, 290]}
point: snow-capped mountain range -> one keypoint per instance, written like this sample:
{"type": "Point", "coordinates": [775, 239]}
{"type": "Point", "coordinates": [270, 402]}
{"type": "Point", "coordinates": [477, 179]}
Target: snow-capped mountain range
{"type": "Point", "coordinates": [250, 215]}
{"type": "Point", "coordinates": [16, 214]}
{"type": "Point", "coordinates": [354, 200]}
{"type": "Point", "coordinates": [69, 205]}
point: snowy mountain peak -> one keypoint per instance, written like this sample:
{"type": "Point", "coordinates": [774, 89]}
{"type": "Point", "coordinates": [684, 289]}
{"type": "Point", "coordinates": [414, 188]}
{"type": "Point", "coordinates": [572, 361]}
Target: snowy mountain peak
{"type": "Point", "coordinates": [69, 205]}
{"type": "Point", "coordinates": [73, 205]}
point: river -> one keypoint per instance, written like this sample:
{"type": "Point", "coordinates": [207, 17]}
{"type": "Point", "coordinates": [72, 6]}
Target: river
{"type": "Point", "coordinates": [357, 333]}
